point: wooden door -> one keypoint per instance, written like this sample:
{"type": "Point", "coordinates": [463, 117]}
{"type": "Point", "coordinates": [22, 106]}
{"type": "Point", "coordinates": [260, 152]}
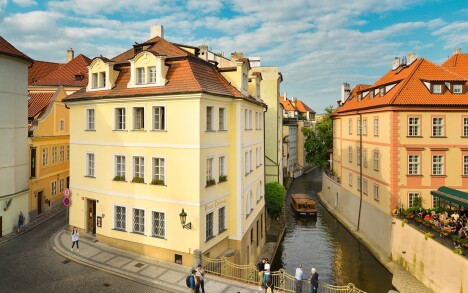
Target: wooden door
{"type": "Point", "coordinates": [39, 203]}
{"type": "Point", "coordinates": [91, 216]}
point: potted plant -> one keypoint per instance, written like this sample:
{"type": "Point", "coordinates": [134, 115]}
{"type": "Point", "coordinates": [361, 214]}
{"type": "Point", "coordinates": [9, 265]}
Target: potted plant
{"type": "Point", "coordinates": [119, 178]}
{"type": "Point", "coordinates": [137, 179]}
{"type": "Point", "coordinates": [210, 182]}
{"type": "Point", "coordinates": [156, 181]}
{"type": "Point", "coordinates": [222, 178]}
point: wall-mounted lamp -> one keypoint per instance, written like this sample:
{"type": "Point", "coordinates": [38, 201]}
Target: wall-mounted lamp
{"type": "Point", "coordinates": [183, 217]}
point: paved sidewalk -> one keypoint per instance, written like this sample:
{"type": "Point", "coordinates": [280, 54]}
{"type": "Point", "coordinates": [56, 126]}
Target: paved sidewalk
{"type": "Point", "coordinates": [142, 269]}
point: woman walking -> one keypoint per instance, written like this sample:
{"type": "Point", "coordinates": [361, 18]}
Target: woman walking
{"type": "Point", "coordinates": [75, 236]}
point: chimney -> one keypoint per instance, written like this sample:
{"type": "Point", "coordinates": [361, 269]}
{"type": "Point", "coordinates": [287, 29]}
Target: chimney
{"type": "Point", "coordinates": [395, 63]}
{"type": "Point", "coordinates": [285, 96]}
{"type": "Point", "coordinates": [236, 56]}
{"type": "Point", "coordinates": [457, 51]}
{"type": "Point", "coordinates": [157, 31]}
{"type": "Point", "coordinates": [70, 55]}
{"type": "Point", "coordinates": [410, 58]}
{"type": "Point", "coordinates": [345, 91]}
{"type": "Point", "coordinates": [203, 54]}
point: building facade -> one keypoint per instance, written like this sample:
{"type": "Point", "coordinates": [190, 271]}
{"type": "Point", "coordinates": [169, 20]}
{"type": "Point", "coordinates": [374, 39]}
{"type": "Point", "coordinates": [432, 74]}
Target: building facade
{"type": "Point", "coordinates": [13, 132]}
{"type": "Point", "coordinates": [159, 135]}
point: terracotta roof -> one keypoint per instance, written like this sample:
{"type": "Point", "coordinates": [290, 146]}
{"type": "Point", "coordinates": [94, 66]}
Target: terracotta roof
{"type": "Point", "coordinates": [288, 106]}
{"type": "Point", "coordinates": [40, 69]}
{"type": "Point", "coordinates": [410, 87]}
{"type": "Point", "coordinates": [457, 63]}
{"type": "Point", "coordinates": [301, 107]}
{"type": "Point", "coordinates": [65, 74]}
{"type": "Point", "coordinates": [8, 49]}
{"type": "Point", "coordinates": [38, 103]}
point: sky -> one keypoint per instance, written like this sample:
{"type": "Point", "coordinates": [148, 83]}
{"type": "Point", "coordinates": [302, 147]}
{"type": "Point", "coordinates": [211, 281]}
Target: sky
{"type": "Point", "coordinates": [317, 44]}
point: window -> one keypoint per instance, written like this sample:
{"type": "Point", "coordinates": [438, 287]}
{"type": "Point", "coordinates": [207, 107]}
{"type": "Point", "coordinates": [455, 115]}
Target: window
{"type": "Point", "coordinates": [358, 127]}
{"type": "Point", "coordinates": [158, 118]}
{"type": "Point", "coordinates": [376, 192]}
{"type": "Point", "coordinates": [138, 118]}
{"type": "Point", "coordinates": [90, 165]}
{"type": "Point", "coordinates": [350, 154]}
{"type": "Point", "coordinates": [53, 188]}
{"type": "Point", "coordinates": [364, 158]}
{"type": "Point", "coordinates": [413, 199]}
{"type": "Point", "coordinates": [250, 119]}
{"type": "Point", "coordinates": [222, 119]}
{"type": "Point", "coordinates": [250, 160]}
{"type": "Point", "coordinates": [221, 219]}
{"type": "Point", "coordinates": [61, 185]}
{"type": "Point", "coordinates": [437, 165]}
{"type": "Point", "coordinates": [364, 186]}
{"type": "Point", "coordinates": [139, 221]}
{"type": "Point", "coordinates": [247, 163]}
{"type": "Point", "coordinates": [120, 119]}
{"type": "Point", "coordinates": [68, 152]}
{"type": "Point", "coordinates": [102, 79]}
{"type": "Point", "coordinates": [120, 167]}
{"type": "Point", "coordinates": [364, 126]}
{"type": "Point", "coordinates": [159, 171]}
{"type": "Point", "coordinates": [62, 125]}
{"type": "Point", "coordinates": [209, 118]}
{"type": "Point", "coordinates": [437, 126]}
{"type": "Point", "coordinates": [465, 165]}
{"type": "Point", "coordinates": [222, 166]}
{"type": "Point", "coordinates": [94, 81]}
{"type": "Point", "coordinates": [209, 171]}
{"type": "Point", "coordinates": [246, 119]}
{"type": "Point", "coordinates": [465, 126]}
{"type": "Point", "coordinates": [159, 225]}
{"type": "Point", "coordinates": [120, 218]}
{"type": "Point", "coordinates": [457, 88]}
{"type": "Point", "coordinates": [350, 126]}
{"type": "Point", "coordinates": [436, 88]}
{"type": "Point", "coordinates": [139, 168]}
{"type": "Point", "coordinates": [358, 153]}
{"type": "Point", "coordinates": [45, 156]}
{"type": "Point", "coordinates": [152, 74]}
{"type": "Point", "coordinates": [350, 179]}
{"type": "Point", "coordinates": [413, 165]}
{"type": "Point", "coordinates": [141, 78]}
{"type": "Point", "coordinates": [62, 153]}
{"type": "Point", "coordinates": [381, 91]}
{"type": "Point", "coordinates": [376, 126]}
{"type": "Point", "coordinates": [54, 155]}
{"type": "Point", "coordinates": [376, 160]}
{"type": "Point", "coordinates": [209, 226]}
{"type": "Point", "coordinates": [371, 94]}
{"type": "Point", "coordinates": [413, 126]}
{"type": "Point", "coordinates": [435, 202]}
{"type": "Point", "coordinates": [251, 236]}
{"type": "Point", "coordinates": [358, 183]}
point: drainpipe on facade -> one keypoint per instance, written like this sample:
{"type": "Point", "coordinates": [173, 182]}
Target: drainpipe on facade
{"type": "Point", "coordinates": [360, 170]}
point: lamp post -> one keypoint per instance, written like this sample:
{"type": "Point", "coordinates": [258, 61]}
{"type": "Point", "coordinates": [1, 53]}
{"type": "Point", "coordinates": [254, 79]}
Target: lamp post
{"type": "Point", "coordinates": [183, 218]}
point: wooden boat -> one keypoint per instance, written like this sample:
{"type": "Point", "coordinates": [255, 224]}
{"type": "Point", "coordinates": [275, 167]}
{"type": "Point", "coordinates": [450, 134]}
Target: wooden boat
{"type": "Point", "coordinates": [303, 204]}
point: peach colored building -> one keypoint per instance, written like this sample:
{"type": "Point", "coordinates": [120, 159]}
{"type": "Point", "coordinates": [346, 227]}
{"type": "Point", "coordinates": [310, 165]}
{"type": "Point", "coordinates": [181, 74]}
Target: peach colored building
{"type": "Point", "coordinates": [405, 135]}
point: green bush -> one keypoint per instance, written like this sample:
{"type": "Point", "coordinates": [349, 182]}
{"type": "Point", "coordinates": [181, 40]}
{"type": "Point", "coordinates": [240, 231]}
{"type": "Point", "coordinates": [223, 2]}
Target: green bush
{"type": "Point", "coordinates": [274, 198]}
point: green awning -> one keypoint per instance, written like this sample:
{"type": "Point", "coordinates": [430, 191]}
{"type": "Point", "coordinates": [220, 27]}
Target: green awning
{"type": "Point", "coordinates": [452, 195]}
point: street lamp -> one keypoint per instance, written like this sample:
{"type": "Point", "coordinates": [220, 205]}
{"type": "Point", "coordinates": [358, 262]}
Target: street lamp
{"type": "Point", "coordinates": [183, 217]}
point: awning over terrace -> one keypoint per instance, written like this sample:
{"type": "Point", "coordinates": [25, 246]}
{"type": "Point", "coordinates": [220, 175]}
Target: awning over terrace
{"type": "Point", "coordinates": [452, 195]}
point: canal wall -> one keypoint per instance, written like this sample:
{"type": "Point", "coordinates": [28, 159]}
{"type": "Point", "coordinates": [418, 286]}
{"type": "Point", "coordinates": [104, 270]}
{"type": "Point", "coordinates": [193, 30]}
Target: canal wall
{"type": "Point", "coordinates": [435, 265]}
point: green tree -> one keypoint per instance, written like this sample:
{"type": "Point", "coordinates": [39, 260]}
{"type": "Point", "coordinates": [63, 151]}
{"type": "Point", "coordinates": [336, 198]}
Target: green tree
{"type": "Point", "coordinates": [274, 198]}
{"type": "Point", "coordinates": [319, 141]}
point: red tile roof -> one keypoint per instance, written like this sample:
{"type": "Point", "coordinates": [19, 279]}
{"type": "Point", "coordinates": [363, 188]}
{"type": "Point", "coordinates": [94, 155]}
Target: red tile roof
{"type": "Point", "coordinates": [301, 107]}
{"type": "Point", "coordinates": [38, 103]}
{"type": "Point", "coordinates": [410, 86]}
{"type": "Point", "coordinates": [288, 106]}
{"type": "Point", "coordinates": [8, 49]}
{"type": "Point", "coordinates": [457, 63]}
{"type": "Point", "coordinates": [66, 73]}
{"type": "Point", "coordinates": [40, 69]}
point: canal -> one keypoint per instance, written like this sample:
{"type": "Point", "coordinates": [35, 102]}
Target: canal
{"type": "Point", "coordinates": [322, 242]}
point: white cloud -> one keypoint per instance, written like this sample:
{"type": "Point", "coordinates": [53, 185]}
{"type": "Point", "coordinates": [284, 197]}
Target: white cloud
{"type": "Point", "coordinates": [205, 6]}
{"type": "Point", "coordinates": [25, 3]}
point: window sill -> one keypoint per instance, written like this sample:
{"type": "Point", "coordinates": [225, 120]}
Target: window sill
{"type": "Point", "coordinates": [210, 130]}
{"type": "Point", "coordinates": [209, 238]}
{"type": "Point", "coordinates": [137, 182]}
{"type": "Point", "coordinates": [164, 185]}
{"type": "Point", "coordinates": [158, 130]}
{"type": "Point", "coordinates": [438, 176]}
{"type": "Point", "coordinates": [120, 130]}
{"type": "Point", "coordinates": [138, 130]}
{"type": "Point", "coordinates": [91, 130]}
{"type": "Point", "coordinates": [437, 136]}
{"type": "Point", "coordinates": [138, 233]}
{"type": "Point", "coordinates": [87, 176]}
{"type": "Point", "coordinates": [222, 130]}
{"type": "Point", "coordinates": [159, 237]}
{"type": "Point", "coordinates": [221, 231]}
{"type": "Point", "coordinates": [463, 136]}
{"type": "Point", "coordinates": [414, 175]}
{"type": "Point", "coordinates": [414, 136]}
{"type": "Point", "coordinates": [120, 181]}
{"type": "Point", "coordinates": [120, 230]}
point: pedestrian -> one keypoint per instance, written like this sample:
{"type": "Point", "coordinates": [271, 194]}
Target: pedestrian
{"type": "Point", "coordinates": [20, 221]}
{"type": "Point", "coordinates": [193, 285]}
{"type": "Point", "coordinates": [314, 281]}
{"type": "Point", "coordinates": [299, 276]}
{"type": "Point", "coordinates": [75, 236]}
{"type": "Point", "coordinates": [266, 271]}
{"type": "Point", "coordinates": [201, 274]}
{"type": "Point", "coordinates": [269, 286]}
{"type": "Point", "coordinates": [261, 268]}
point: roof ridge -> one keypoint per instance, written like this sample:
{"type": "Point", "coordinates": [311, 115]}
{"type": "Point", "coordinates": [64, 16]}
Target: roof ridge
{"type": "Point", "coordinates": [406, 80]}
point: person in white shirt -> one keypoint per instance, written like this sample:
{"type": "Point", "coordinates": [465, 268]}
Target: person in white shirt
{"type": "Point", "coordinates": [299, 277]}
{"type": "Point", "coordinates": [266, 271]}
{"type": "Point", "coordinates": [75, 236]}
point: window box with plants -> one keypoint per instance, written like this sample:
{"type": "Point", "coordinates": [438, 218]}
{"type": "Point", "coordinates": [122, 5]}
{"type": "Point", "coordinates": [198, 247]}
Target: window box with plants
{"type": "Point", "coordinates": [157, 182]}
{"type": "Point", "coordinates": [137, 179]}
{"type": "Point", "coordinates": [119, 178]}
{"type": "Point", "coordinates": [210, 182]}
{"type": "Point", "coordinates": [222, 178]}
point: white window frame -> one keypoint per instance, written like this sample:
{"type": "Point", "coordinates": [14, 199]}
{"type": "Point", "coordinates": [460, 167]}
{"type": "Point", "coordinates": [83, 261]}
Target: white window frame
{"type": "Point", "coordinates": [102, 79]}
{"type": "Point", "coordinates": [209, 118]}
{"type": "Point", "coordinates": [437, 126]}
{"type": "Point", "coordinates": [436, 88]}
{"type": "Point", "coordinates": [358, 156]}
{"type": "Point", "coordinates": [62, 125]}
{"type": "Point", "coordinates": [457, 88]}
{"type": "Point", "coordinates": [414, 164]}
{"type": "Point", "coordinates": [68, 152]}
{"type": "Point", "coordinates": [138, 118]}
{"type": "Point", "coordinates": [138, 163]}
{"type": "Point", "coordinates": [414, 126]}
{"type": "Point", "coordinates": [222, 165]}
{"type": "Point", "coordinates": [156, 230]}
{"type": "Point", "coordinates": [54, 154]}
{"type": "Point", "coordinates": [411, 197]}
{"type": "Point", "coordinates": [61, 185]}
{"type": "Point", "coordinates": [350, 154]}
{"type": "Point", "coordinates": [90, 164]}
{"type": "Point", "coordinates": [209, 169]}
{"type": "Point", "coordinates": [376, 192]}
{"type": "Point", "coordinates": [159, 171]}
{"type": "Point", "coordinates": [465, 126]}
{"type": "Point", "coordinates": [465, 165]}
{"type": "Point", "coordinates": [152, 74]}
{"type": "Point", "coordinates": [141, 75]}
{"type": "Point", "coordinates": [358, 127]}
{"type": "Point", "coordinates": [120, 114]}
{"type": "Point", "coordinates": [222, 219]}
{"type": "Point", "coordinates": [376, 160]}
{"type": "Point", "coordinates": [364, 126]}
{"type": "Point", "coordinates": [45, 156]}
{"type": "Point", "coordinates": [53, 188]}
{"type": "Point", "coordinates": [350, 126]}
{"type": "Point", "coordinates": [141, 223]}
{"type": "Point", "coordinates": [120, 165]}
{"type": "Point", "coordinates": [364, 157]}
{"type": "Point", "coordinates": [222, 119]}
{"type": "Point", "coordinates": [438, 164]}
{"type": "Point", "coordinates": [209, 230]}
{"type": "Point", "coordinates": [435, 202]}
{"type": "Point", "coordinates": [376, 126]}
{"type": "Point", "coordinates": [62, 153]}
{"type": "Point", "coordinates": [364, 186]}
{"type": "Point", "coordinates": [123, 219]}
{"type": "Point", "coordinates": [157, 119]}
{"type": "Point", "coordinates": [350, 178]}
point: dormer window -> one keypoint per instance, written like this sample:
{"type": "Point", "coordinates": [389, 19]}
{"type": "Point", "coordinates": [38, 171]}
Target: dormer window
{"type": "Point", "coordinates": [436, 88]}
{"type": "Point", "coordinates": [382, 91]}
{"type": "Point", "coordinates": [359, 97]}
{"type": "Point", "coordinates": [457, 89]}
{"type": "Point", "coordinates": [371, 94]}
{"type": "Point", "coordinates": [147, 69]}
{"type": "Point", "coordinates": [101, 75]}
{"type": "Point", "coordinates": [99, 80]}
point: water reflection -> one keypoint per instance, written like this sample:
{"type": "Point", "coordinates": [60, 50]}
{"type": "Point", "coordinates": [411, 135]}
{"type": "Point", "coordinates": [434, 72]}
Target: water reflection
{"type": "Point", "coordinates": [322, 242]}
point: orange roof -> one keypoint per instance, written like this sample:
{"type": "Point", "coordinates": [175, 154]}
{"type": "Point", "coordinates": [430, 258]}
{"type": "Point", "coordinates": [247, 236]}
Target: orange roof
{"type": "Point", "coordinates": [9, 50]}
{"type": "Point", "coordinates": [410, 87]}
{"type": "Point", "coordinates": [40, 69]}
{"type": "Point", "coordinates": [66, 73]}
{"type": "Point", "coordinates": [301, 107]}
{"type": "Point", "coordinates": [38, 103]}
{"type": "Point", "coordinates": [457, 63]}
{"type": "Point", "coordinates": [186, 74]}
{"type": "Point", "coordinates": [288, 106]}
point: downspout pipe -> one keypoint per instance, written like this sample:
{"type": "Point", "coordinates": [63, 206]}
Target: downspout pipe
{"type": "Point", "coordinates": [360, 170]}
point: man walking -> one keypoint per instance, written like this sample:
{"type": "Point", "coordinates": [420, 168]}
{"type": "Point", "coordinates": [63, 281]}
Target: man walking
{"type": "Point", "coordinates": [299, 277]}
{"type": "Point", "coordinates": [201, 275]}
{"type": "Point", "coordinates": [261, 268]}
{"type": "Point", "coordinates": [314, 281]}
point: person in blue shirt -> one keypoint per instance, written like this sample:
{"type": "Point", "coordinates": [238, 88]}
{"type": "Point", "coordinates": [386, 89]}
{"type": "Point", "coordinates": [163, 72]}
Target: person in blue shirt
{"type": "Point", "coordinates": [299, 277]}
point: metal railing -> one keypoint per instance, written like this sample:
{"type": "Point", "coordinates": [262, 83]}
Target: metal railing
{"type": "Point", "coordinates": [282, 281]}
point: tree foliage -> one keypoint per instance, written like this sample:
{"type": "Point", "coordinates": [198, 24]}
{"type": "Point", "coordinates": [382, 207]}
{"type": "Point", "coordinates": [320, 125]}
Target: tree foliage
{"type": "Point", "coordinates": [319, 141]}
{"type": "Point", "coordinates": [274, 198]}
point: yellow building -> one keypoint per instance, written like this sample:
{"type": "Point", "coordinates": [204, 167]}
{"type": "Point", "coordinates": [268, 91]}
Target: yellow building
{"type": "Point", "coordinates": [159, 134]}
{"type": "Point", "coordinates": [13, 136]}
{"type": "Point", "coordinates": [48, 140]}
